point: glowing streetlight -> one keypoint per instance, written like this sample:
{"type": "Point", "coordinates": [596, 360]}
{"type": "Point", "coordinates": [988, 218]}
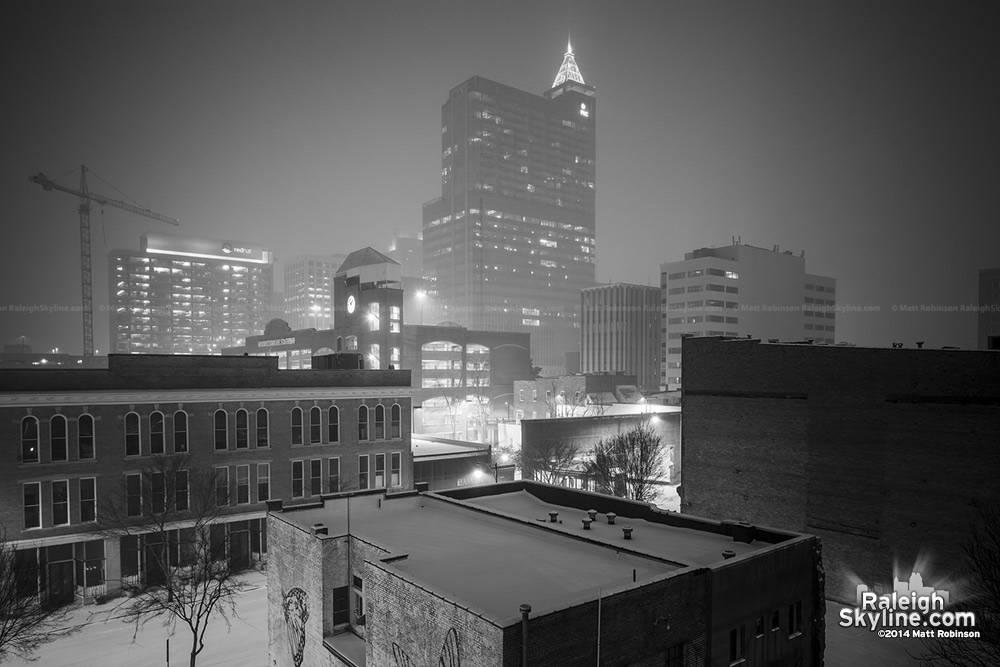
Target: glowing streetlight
{"type": "Point", "coordinates": [421, 297]}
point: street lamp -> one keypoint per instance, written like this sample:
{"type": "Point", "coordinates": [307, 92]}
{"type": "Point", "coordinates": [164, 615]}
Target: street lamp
{"type": "Point", "coordinates": [421, 296]}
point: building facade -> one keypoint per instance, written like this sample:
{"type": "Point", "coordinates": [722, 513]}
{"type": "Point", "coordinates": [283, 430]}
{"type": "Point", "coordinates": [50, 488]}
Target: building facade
{"type": "Point", "coordinates": [183, 295]}
{"type": "Point", "coordinates": [989, 309]}
{"type": "Point", "coordinates": [308, 295]}
{"type": "Point", "coordinates": [294, 349]}
{"type": "Point", "coordinates": [741, 290]}
{"type": "Point", "coordinates": [368, 301]}
{"type": "Point", "coordinates": [73, 439]}
{"type": "Point", "coordinates": [510, 242]}
{"type": "Point", "coordinates": [620, 331]}
{"type": "Point", "coordinates": [885, 454]}
{"type": "Point", "coordinates": [522, 573]}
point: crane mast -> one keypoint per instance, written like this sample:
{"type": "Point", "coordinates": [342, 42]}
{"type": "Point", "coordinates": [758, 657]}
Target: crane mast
{"type": "Point", "coordinates": [86, 274]}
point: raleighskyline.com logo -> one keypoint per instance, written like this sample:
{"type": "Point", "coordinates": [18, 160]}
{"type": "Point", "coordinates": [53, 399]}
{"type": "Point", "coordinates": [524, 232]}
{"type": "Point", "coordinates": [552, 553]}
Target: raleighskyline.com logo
{"type": "Point", "coordinates": [909, 611]}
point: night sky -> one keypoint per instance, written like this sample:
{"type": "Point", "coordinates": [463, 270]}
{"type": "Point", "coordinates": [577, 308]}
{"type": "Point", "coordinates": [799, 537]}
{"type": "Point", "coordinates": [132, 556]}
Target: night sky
{"type": "Point", "coordinates": [864, 133]}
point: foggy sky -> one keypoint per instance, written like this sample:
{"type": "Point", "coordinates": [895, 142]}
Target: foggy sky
{"type": "Point", "coordinates": [864, 133]}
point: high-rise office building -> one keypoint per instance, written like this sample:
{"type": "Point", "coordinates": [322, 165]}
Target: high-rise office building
{"type": "Point", "coordinates": [989, 309]}
{"type": "Point", "coordinates": [510, 243]}
{"type": "Point", "coordinates": [620, 332]}
{"type": "Point", "coordinates": [741, 290]}
{"type": "Point", "coordinates": [184, 295]}
{"type": "Point", "coordinates": [309, 290]}
{"type": "Point", "coordinates": [409, 252]}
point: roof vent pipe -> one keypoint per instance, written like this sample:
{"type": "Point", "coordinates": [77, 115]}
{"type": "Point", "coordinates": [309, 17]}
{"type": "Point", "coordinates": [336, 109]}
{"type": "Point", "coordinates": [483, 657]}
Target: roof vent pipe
{"type": "Point", "coordinates": [525, 610]}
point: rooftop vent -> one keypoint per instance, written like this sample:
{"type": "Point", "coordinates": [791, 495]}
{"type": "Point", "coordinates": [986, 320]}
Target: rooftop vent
{"type": "Point", "coordinates": [627, 532]}
{"type": "Point", "coordinates": [319, 529]}
{"type": "Point", "coordinates": [611, 518]}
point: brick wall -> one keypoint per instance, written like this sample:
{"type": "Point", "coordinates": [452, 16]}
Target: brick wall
{"type": "Point", "coordinates": [883, 453]}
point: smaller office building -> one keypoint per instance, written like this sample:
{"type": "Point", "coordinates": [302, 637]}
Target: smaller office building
{"type": "Point", "coordinates": [483, 575]}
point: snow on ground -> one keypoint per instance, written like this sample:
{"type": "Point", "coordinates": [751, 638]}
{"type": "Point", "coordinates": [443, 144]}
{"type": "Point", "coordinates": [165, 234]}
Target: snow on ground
{"type": "Point", "coordinates": [108, 642]}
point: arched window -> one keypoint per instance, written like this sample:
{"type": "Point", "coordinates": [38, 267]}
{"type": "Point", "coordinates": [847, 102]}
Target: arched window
{"type": "Point", "coordinates": [379, 422]}
{"type": "Point", "coordinates": [29, 440]}
{"type": "Point", "coordinates": [263, 435]}
{"type": "Point", "coordinates": [363, 422]}
{"type": "Point", "coordinates": [315, 425]}
{"type": "Point", "coordinates": [242, 429]}
{"type": "Point", "coordinates": [85, 436]}
{"type": "Point", "coordinates": [180, 431]}
{"type": "Point", "coordinates": [156, 442]}
{"type": "Point", "coordinates": [57, 438]}
{"type": "Point", "coordinates": [395, 417]}
{"type": "Point", "coordinates": [296, 426]}
{"type": "Point", "coordinates": [132, 443]}
{"type": "Point", "coordinates": [334, 424]}
{"type": "Point", "coordinates": [221, 429]}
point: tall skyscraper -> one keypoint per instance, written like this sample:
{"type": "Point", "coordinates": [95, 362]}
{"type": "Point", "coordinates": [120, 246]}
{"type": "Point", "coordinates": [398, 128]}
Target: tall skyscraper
{"type": "Point", "coordinates": [183, 295]}
{"type": "Point", "coordinates": [741, 290]}
{"type": "Point", "coordinates": [510, 243]}
{"type": "Point", "coordinates": [620, 332]}
{"type": "Point", "coordinates": [309, 290]}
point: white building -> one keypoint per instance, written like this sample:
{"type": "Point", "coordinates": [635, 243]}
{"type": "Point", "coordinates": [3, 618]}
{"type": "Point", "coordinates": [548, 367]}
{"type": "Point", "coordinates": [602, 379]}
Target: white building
{"type": "Point", "coordinates": [741, 290]}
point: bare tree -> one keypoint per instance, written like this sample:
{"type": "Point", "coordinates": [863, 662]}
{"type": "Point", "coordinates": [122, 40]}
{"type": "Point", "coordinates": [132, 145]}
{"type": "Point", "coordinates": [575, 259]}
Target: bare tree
{"type": "Point", "coordinates": [982, 572]}
{"type": "Point", "coordinates": [174, 512]}
{"type": "Point", "coordinates": [629, 464]}
{"type": "Point", "coordinates": [549, 461]}
{"type": "Point", "coordinates": [26, 620]}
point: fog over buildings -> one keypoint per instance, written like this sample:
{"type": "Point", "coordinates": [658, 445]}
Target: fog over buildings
{"type": "Point", "coordinates": [861, 134]}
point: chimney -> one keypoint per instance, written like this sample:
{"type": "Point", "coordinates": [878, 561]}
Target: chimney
{"type": "Point", "coordinates": [319, 529]}
{"type": "Point", "coordinates": [525, 610]}
{"type": "Point", "coordinates": [553, 517]}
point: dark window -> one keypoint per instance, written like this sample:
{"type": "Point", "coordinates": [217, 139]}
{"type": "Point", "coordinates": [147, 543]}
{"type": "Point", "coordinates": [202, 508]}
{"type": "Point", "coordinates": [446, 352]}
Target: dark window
{"type": "Point", "coordinates": [221, 429]}
{"type": "Point", "coordinates": [316, 477]}
{"type": "Point", "coordinates": [132, 446]}
{"type": "Point", "coordinates": [380, 422]}
{"type": "Point", "coordinates": [88, 499]}
{"type": "Point", "coordinates": [180, 431]}
{"type": "Point", "coordinates": [242, 484]}
{"type": "Point", "coordinates": [57, 438]}
{"type": "Point", "coordinates": [156, 444]}
{"type": "Point", "coordinates": [297, 479]}
{"type": "Point", "coordinates": [334, 475]}
{"type": "Point", "coordinates": [379, 471]}
{"type": "Point", "coordinates": [221, 487]}
{"type": "Point", "coordinates": [263, 482]}
{"type": "Point", "coordinates": [158, 486]}
{"type": "Point", "coordinates": [85, 436]}
{"type": "Point", "coordinates": [242, 429]}
{"type": "Point", "coordinates": [394, 479]}
{"type": "Point", "coordinates": [675, 656]}
{"type": "Point", "coordinates": [33, 505]}
{"type": "Point", "coordinates": [60, 503]}
{"type": "Point", "coordinates": [737, 644]}
{"type": "Point", "coordinates": [363, 472]}
{"type": "Point", "coordinates": [133, 495]}
{"type": "Point", "coordinates": [29, 440]}
{"type": "Point", "coordinates": [315, 425]}
{"type": "Point", "coordinates": [362, 422]}
{"type": "Point", "coordinates": [775, 620]}
{"type": "Point", "coordinates": [334, 425]}
{"type": "Point", "coordinates": [296, 426]}
{"type": "Point", "coordinates": [181, 490]}
{"type": "Point", "coordinates": [341, 605]}
{"type": "Point", "coordinates": [760, 626]}
{"type": "Point", "coordinates": [262, 431]}
{"type": "Point", "coordinates": [794, 619]}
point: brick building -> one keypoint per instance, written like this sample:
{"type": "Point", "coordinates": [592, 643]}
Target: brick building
{"type": "Point", "coordinates": [72, 437]}
{"type": "Point", "coordinates": [480, 576]}
{"type": "Point", "coordinates": [885, 454]}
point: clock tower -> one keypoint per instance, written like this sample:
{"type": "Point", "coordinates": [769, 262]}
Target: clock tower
{"type": "Point", "coordinates": [368, 306]}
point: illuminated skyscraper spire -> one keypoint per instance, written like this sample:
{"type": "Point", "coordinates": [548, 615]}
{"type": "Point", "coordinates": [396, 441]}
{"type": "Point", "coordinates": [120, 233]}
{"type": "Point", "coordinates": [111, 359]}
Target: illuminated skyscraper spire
{"type": "Point", "coordinates": [568, 71]}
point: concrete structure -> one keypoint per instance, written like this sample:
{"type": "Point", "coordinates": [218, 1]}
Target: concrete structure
{"type": "Point", "coordinates": [463, 380]}
{"type": "Point", "coordinates": [308, 295]}
{"type": "Point", "coordinates": [585, 432]}
{"type": "Point", "coordinates": [885, 454]}
{"type": "Point", "coordinates": [989, 309]}
{"type": "Point", "coordinates": [72, 438]}
{"type": "Point", "coordinates": [577, 396]}
{"type": "Point", "coordinates": [444, 464]}
{"type": "Point", "coordinates": [510, 242]}
{"type": "Point", "coordinates": [480, 577]}
{"type": "Point", "coordinates": [184, 295]}
{"type": "Point", "coordinates": [741, 290]}
{"type": "Point", "coordinates": [368, 304]}
{"type": "Point", "coordinates": [620, 332]}
{"type": "Point", "coordinates": [294, 349]}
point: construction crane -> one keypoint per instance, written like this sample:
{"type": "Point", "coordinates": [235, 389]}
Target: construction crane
{"type": "Point", "coordinates": [85, 198]}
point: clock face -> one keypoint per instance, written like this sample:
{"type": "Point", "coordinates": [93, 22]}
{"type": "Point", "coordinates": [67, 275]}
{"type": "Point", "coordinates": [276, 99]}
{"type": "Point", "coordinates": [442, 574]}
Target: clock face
{"type": "Point", "coordinates": [350, 303]}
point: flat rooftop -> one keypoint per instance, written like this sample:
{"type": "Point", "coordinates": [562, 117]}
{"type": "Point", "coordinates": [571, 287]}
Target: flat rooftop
{"type": "Point", "coordinates": [494, 553]}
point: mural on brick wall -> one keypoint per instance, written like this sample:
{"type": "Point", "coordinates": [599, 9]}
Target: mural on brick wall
{"type": "Point", "coordinates": [296, 615]}
{"type": "Point", "coordinates": [449, 653]}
